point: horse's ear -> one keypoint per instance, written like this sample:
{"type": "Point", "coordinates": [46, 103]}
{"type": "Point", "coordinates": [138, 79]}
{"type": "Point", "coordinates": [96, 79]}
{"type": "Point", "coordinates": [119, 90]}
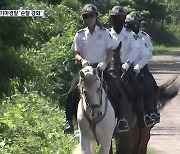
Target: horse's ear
{"type": "Point", "coordinates": [82, 74]}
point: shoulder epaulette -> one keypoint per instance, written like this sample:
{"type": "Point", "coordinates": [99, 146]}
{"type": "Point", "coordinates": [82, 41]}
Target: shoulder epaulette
{"type": "Point", "coordinates": [143, 32]}
{"type": "Point", "coordinates": [102, 28]}
{"type": "Point", "coordinates": [81, 30]}
{"type": "Point", "coordinates": [128, 30]}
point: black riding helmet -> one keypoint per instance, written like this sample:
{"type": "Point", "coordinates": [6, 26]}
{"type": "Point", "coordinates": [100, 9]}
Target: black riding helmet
{"type": "Point", "coordinates": [118, 16]}
{"type": "Point", "coordinates": [133, 18]}
{"type": "Point", "coordinates": [117, 10]}
{"type": "Point", "coordinates": [89, 8]}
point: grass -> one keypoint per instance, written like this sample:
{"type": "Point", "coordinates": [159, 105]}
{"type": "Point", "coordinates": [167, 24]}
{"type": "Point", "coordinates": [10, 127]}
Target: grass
{"type": "Point", "coordinates": [161, 48]}
{"type": "Point", "coordinates": [151, 151]}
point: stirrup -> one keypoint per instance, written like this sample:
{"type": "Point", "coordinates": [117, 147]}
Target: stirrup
{"type": "Point", "coordinates": [122, 125]}
{"type": "Point", "coordinates": [155, 117]}
{"type": "Point", "coordinates": [149, 122]}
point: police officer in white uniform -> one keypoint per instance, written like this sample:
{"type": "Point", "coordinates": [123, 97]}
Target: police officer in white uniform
{"type": "Point", "coordinates": [133, 21]}
{"type": "Point", "coordinates": [128, 54]}
{"type": "Point", "coordinates": [92, 46]}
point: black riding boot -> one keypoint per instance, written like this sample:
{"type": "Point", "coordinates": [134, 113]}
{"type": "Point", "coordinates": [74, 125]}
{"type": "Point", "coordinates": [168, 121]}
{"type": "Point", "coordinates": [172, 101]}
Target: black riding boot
{"type": "Point", "coordinates": [148, 93]}
{"type": "Point", "coordinates": [115, 97]}
{"type": "Point", "coordinates": [122, 122]}
{"type": "Point", "coordinates": [155, 115]}
{"type": "Point", "coordinates": [142, 117]}
{"type": "Point", "coordinates": [69, 128]}
{"type": "Point", "coordinates": [71, 105]}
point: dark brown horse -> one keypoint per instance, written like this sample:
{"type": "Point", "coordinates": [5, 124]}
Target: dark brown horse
{"type": "Point", "coordinates": [116, 92]}
{"type": "Point", "coordinates": [135, 140]}
{"type": "Point", "coordinates": [166, 92]}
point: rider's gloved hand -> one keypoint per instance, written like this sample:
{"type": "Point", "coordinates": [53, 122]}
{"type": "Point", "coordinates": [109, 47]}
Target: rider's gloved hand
{"type": "Point", "coordinates": [137, 69]}
{"type": "Point", "coordinates": [85, 63]}
{"type": "Point", "coordinates": [126, 65]}
{"type": "Point", "coordinates": [102, 65]}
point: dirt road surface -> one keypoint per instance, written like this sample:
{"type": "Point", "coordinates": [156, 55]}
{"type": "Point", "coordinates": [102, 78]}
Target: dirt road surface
{"type": "Point", "coordinates": [165, 137]}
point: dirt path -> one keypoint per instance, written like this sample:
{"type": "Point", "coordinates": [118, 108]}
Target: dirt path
{"type": "Point", "coordinates": [165, 137]}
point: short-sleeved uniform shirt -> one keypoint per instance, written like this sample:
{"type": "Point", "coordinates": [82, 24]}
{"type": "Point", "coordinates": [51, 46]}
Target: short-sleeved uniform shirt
{"type": "Point", "coordinates": [143, 56]}
{"type": "Point", "coordinates": [129, 41]}
{"type": "Point", "coordinates": [147, 41]}
{"type": "Point", "coordinates": [92, 47]}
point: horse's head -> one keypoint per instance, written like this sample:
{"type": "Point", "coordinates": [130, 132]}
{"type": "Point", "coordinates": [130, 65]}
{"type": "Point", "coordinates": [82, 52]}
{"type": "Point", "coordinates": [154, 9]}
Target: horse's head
{"type": "Point", "coordinates": [116, 54]}
{"type": "Point", "coordinates": [91, 90]}
{"type": "Point", "coordinates": [114, 67]}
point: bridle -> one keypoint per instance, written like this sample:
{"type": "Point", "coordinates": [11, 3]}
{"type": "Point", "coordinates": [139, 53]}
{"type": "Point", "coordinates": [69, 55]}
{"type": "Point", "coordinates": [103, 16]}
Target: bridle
{"type": "Point", "coordinates": [92, 121]}
{"type": "Point", "coordinates": [89, 105]}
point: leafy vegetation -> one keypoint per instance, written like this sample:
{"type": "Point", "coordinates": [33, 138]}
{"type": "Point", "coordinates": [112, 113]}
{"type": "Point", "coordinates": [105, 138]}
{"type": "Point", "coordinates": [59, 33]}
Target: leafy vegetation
{"type": "Point", "coordinates": [161, 48]}
{"type": "Point", "coordinates": [37, 66]}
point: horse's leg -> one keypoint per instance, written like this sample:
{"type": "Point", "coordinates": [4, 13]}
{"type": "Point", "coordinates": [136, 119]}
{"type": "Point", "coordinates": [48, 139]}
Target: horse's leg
{"type": "Point", "coordinates": [145, 137]}
{"type": "Point", "coordinates": [135, 133]}
{"type": "Point", "coordinates": [84, 132]}
{"type": "Point", "coordinates": [123, 143]}
{"type": "Point", "coordinates": [106, 135]}
{"type": "Point", "coordinates": [105, 147]}
{"type": "Point", "coordinates": [85, 144]}
{"type": "Point", "coordinates": [92, 146]}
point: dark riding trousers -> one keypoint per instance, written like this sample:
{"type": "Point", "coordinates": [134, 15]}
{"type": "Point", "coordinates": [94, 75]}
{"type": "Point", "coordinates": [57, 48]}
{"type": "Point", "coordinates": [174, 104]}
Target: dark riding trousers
{"type": "Point", "coordinates": [150, 89]}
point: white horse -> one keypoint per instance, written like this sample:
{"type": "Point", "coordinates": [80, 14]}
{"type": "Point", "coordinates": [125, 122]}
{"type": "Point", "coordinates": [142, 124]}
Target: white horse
{"type": "Point", "coordinates": [95, 116]}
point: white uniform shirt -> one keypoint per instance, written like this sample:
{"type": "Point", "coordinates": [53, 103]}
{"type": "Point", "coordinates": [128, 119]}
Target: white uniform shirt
{"type": "Point", "coordinates": [129, 46]}
{"type": "Point", "coordinates": [92, 47]}
{"type": "Point", "coordinates": [144, 53]}
{"type": "Point", "coordinates": [148, 41]}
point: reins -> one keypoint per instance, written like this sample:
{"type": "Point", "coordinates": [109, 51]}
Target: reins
{"type": "Point", "coordinates": [92, 121]}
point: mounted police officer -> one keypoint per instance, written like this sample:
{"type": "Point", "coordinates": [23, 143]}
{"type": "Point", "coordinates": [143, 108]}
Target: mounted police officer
{"type": "Point", "coordinates": [133, 21]}
{"type": "Point", "coordinates": [92, 46]}
{"type": "Point", "coordinates": [128, 54]}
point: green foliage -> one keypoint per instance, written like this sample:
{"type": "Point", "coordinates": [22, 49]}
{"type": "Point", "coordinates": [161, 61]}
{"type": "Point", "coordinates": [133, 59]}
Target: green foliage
{"type": "Point", "coordinates": [42, 54]}
{"type": "Point", "coordinates": [31, 124]}
{"type": "Point", "coordinates": [161, 49]}
{"type": "Point", "coordinates": [37, 66]}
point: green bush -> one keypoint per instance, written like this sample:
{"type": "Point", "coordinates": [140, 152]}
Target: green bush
{"type": "Point", "coordinates": [37, 66]}
{"type": "Point", "coordinates": [32, 124]}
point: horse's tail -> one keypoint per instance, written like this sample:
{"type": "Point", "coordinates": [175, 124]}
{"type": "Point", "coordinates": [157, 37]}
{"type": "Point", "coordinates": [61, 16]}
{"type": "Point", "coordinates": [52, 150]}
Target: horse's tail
{"type": "Point", "coordinates": [168, 91]}
{"type": "Point", "coordinates": [77, 150]}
